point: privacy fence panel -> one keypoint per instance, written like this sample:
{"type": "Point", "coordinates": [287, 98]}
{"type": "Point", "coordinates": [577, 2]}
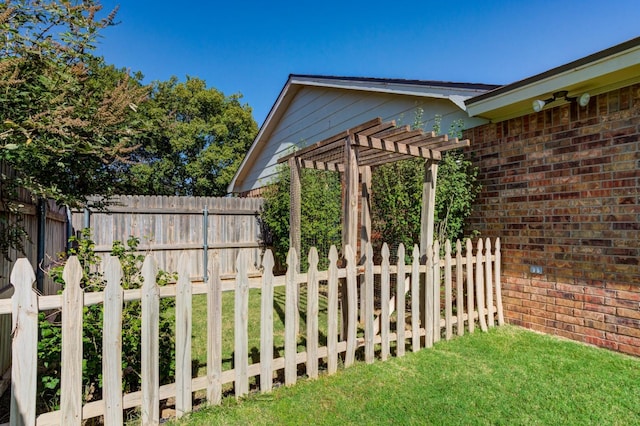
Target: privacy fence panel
{"type": "Point", "coordinates": [53, 219]}
{"type": "Point", "coordinates": [376, 328]}
{"type": "Point", "coordinates": [167, 226]}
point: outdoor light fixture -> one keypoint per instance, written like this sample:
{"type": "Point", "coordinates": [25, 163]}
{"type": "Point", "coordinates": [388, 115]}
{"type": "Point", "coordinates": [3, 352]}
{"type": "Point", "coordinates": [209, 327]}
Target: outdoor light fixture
{"type": "Point", "coordinates": [583, 100]}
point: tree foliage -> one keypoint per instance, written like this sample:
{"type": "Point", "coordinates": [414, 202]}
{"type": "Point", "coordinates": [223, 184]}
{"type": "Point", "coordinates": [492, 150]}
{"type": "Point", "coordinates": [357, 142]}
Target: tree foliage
{"type": "Point", "coordinates": [194, 142]}
{"type": "Point", "coordinates": [65, 116]}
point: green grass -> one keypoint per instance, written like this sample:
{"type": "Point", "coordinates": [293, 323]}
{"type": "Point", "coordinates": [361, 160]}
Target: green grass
{"type": "Point", "coordinates": [507, 376]}
{"type": "Point", "coordinates": [199, 343]}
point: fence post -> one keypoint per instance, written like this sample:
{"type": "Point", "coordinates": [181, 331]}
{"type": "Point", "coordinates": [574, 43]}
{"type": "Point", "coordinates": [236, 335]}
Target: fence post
{"type": "Point", "coordinates": [459, 290]}
{"type": "Point", "coordinates": [205, 244]}
{"type": "Point", "coordinates": [24, 348]}
{"type": "Point", "coordinates": [428, 298]}
{"type": "Point", "coordinates": [241, 326]}
{"type": "Point", "coordinates": [400, 277]}
{"type": "Point", "coordinates": [470, 296]}
{"type": "Point", "coordinates": [384, 298]}
{"type": "Point", "coordinates": [214, 335]}
{"type": "Point", "coordinates": [312, 314]}
{"type": "Point", "coordinates": [436, 291]}
{"type": "Point", "coordinates": [72, 311]}
{"type": "Point", "coordinates": [415, 300]}
{"type": "Point", "coordinates": [448, 298]}
{"type": "Point", "coordinates": [150, 344]}
{"type": "Point", "coordinates": [480, 287]}
{"type": "Point", "coordinates": [489, 284]}
{"type": "Point", "coordinates": [369, 353]}
{"type": "Point", "coordinates": [112, 343]}
{"type": "Point", "coordinates": [332, 312]}
{"type": "Point", "coordinates": [183, 337]}
{"type": "Point", "coordinates": [291, 313]}
{"type": "Point", "coordinates": [351, 306]}
{"type": "Point", "coordinates": [497, 261]}
{"type": "Point", "coordinates": [266, 324]}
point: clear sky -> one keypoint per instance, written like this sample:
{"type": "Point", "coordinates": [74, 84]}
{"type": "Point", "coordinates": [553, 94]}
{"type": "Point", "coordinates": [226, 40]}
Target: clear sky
{"type": "Point", "coordinates": [251, 46]}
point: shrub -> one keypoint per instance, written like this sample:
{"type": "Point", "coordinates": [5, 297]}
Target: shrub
{"type": "Point", "coordinates": [49, 346]}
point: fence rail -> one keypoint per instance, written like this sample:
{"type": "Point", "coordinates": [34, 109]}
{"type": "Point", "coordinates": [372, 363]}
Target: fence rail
{"type": "Point", "coordinates": [476, 275]}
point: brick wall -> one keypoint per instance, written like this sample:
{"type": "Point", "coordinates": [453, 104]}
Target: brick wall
{"type": "Point", "coordinates": [560, 188]}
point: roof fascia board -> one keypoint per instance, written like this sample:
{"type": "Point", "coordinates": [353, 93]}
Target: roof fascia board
{"type": "Point", "coordinates": [553, 83]}
{"type": "Point", "coordinates": [395, 88]}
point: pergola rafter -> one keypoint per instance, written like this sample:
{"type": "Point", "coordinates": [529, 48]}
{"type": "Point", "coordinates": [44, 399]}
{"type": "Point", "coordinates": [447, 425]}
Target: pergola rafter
{"type": "Point", "coordinates": [353, 153]}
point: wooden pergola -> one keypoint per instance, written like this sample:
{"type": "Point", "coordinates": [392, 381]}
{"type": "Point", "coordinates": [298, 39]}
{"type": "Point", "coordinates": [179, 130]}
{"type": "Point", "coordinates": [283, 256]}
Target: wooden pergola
{"type": "Point", "coordinates": [353, 153]}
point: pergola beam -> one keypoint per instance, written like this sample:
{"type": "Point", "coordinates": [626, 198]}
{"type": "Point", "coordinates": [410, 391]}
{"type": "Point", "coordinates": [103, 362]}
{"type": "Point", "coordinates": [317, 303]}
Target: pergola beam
{"type": "Point", "coordinates": [397, 147]}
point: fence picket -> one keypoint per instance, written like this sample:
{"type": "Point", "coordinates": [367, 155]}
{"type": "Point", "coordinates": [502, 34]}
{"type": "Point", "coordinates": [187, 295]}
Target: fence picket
{"type": "Point", "coordinates": [312, 314]}
{"type": "Point", "coordinates": [480, 287]}
{"type": "Point", "coordinates": [266, 324]}
{"type": "Point", "coordinates": [401, 275]}
{"type": "Point", "coordinates": [71, 377]}
{"type": "Point", "coordinates": [24, 349]}
{"type": "Point", "coordinates": [436, 291]}
{"type": "Point", "coordinates": [290, 337]}
{"type": "Point", "coordinates": [471, 322]}
{"type": "Point", "coordinates": [368, 305]}
{"type": "Point", "coordinates": [150, 343]}
{"type": "Point", "coordinates": [112, 343]}
{"type": "Point", "coordinates": [428, 299]}
{"type": "Point", "coordinates": [351, 306]}
{"type": "Point", "coordinates": [489, 285]}
{"type": "Point", "coordinates": [415, 299]}
{"type": "Point", "coordinates": [332, 312]}
{"type": "Point", "coordinates": [459, 290]}
{"type": "Point", "coordinates": [448, 297]}
{"type": "Point", "coordinates": [241, 314]}
{"type": "Point", "coordinates": [384, 297]}
{"type": "Point", "coordinates": [496, 263]}
{"type": "Point", "coordinates": [183, 336]}
{"type": "Point", "coordinates": [214, 333]}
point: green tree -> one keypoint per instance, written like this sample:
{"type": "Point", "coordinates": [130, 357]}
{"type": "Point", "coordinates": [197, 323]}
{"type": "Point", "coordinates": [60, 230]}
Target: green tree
{"type": "Point", "coordinates": [65, 116]}
{"type": "Point", "coordinates": [194, 142]}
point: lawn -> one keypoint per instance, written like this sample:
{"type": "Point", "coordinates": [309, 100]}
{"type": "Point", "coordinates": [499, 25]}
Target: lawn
{"type": "Point", "coordinates": [507, 376]}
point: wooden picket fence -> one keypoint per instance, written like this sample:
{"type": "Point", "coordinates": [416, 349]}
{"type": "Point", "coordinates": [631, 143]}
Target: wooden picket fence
{"type": "Point", "coordinates": [474, 276]}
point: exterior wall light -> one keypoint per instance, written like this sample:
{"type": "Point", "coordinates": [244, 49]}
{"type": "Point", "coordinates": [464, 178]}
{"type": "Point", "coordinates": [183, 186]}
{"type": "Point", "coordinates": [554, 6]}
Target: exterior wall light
{"type": "Point", "coordinates": [583, 100]}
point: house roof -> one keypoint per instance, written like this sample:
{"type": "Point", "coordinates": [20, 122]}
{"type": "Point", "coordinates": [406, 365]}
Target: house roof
{"type": "Point", "coordinates": [454, 92]}
{"type": "Point", "coordinates": [603, 71]}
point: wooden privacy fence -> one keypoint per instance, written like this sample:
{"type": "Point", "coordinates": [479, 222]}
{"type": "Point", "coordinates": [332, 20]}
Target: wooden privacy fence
{"type": "Point", "coordinates": [470, 283]}
{"type": "Point", "coordinates": [168, 226]}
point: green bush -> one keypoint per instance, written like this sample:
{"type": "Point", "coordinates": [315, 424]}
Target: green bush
{"type": "Point", "coordinates": [49, 346]}
{"type": "Point", "coordinates": [320, 214]}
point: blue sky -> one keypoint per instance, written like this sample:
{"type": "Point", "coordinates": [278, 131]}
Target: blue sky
{"type": "Point", "coordinates": [251, 47]}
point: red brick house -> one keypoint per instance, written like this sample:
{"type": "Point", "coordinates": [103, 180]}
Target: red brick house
{"type": "Point", "coordinates": [561, 190]}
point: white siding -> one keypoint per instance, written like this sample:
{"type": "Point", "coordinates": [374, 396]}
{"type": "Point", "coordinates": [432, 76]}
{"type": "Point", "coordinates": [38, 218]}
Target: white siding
{"type": "Point", "coordinates": [316, 113]}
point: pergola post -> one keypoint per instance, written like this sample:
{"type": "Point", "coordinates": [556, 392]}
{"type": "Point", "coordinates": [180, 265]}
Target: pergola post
{"type": "Point", "coordinates": [350, 205]}
{"type": "Point", "coordinates": [295, 203]}
{"type": "Point", "coordinates": [427, 220]}
{"type": "Point", "coordinates": [365, 203]}
{"type": "Point", "coordinates": [349, 216]}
